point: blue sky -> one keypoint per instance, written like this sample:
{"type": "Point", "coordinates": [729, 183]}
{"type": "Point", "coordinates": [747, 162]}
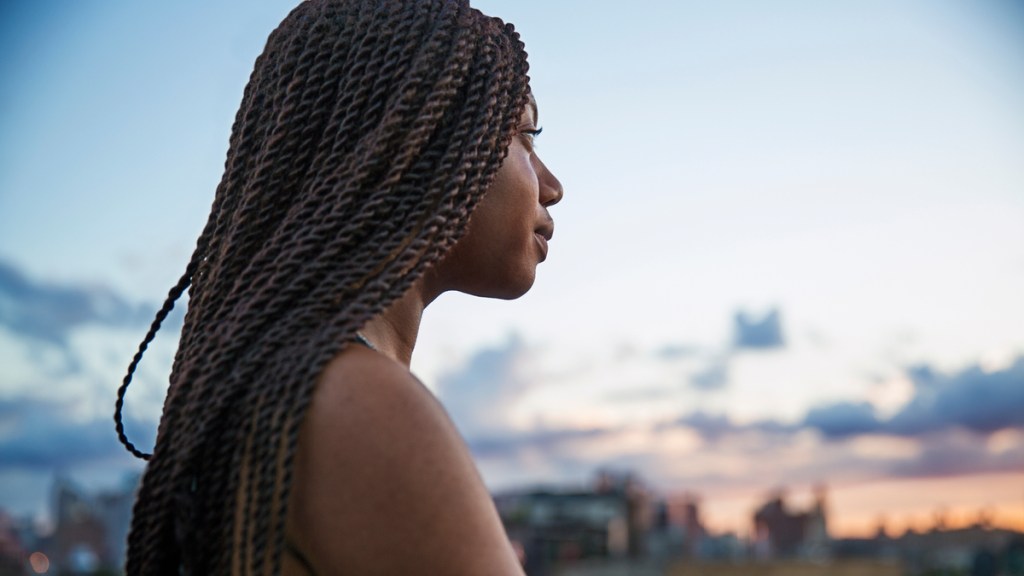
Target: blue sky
{"type": "Point", "coordinates": [790, 249]}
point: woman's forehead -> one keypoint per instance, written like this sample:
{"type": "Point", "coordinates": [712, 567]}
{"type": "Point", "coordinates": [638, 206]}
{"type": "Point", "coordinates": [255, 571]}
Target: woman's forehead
{"type": "Point", "coordinates": [531, 106]}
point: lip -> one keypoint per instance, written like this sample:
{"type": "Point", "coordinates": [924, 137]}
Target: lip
{"type": "Point", "coordinates": [543, 234]}
{"type": "Point", "coordinates": [546, 229]}
{"type": "Point", "coordinates": [543, 243]}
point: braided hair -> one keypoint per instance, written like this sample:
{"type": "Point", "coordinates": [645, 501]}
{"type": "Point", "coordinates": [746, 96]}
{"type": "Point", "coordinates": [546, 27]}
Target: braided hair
{"type": "Point", "coordinates": [368, 132]}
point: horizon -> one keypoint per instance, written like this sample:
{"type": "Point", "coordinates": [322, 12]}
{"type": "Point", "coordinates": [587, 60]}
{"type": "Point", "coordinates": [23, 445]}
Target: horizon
{"type": "Point", "coordinates": [928, 516]}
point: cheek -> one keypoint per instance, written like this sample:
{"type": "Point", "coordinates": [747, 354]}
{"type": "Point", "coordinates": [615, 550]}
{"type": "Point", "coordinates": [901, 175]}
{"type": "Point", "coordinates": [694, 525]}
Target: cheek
{"type": "Point", "coordinates": [517, 198]}
{"type": "Point", "coordinates": [507, 215]}
{"type": "Point", "coordinates": [492, 231]}
{"type": "Point", "coordinates": [497, 257]}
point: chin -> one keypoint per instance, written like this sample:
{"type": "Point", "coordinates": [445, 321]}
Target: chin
{"type": "Point", "coordinates": [514, 294]}
{"type": "Point", "coordinates": [508, 287]}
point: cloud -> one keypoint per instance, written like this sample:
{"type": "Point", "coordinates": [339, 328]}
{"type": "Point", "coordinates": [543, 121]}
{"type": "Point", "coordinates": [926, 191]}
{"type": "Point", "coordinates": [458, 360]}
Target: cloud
{"type": "Point", "coordinates": [708, 426]}
{"type": "Point", "coordinates": [48, 312]}
{"type": "Point", "coordinates": [644, 394]}
{"type": "Point", "coordinates": [676, 351]}
{"type": "Point", "coordinates": [974, 399]}
{"type": "Point", "coordinates": [548, 440]}
{"type": "Point", "coordinates": [751, 333]}
{"type": "Point", "coordinates": [964, 422]}
{"type": "Point", "coordinates": [712, 453]}
{"type": "Point", "coordinates": [54, 330]}
{"type": "Point", "coordinates": [66, 349]}
{"type": "Point", "coordinates": [713, 427]}
{"type": "Point", "coordinates": [843, 419]}
{"type": "Point", "coordinates": [480, 395]}
{"type": "Point", "coordinates": [714, 376]}
{"type": "Point", "coordinates": [953, 453]}
{"type": "Point", "coordinates": [948, 428]}
{"type": "Point", "coordinates": [42, 436]}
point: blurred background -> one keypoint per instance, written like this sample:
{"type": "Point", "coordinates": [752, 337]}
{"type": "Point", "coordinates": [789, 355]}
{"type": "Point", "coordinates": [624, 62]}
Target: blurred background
{"type": "Point", "coordinates": [781, 326]}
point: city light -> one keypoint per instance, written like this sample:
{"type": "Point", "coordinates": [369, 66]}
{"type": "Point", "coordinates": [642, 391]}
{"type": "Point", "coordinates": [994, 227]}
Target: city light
{"type": "Point", "coordinates": [39, 562]}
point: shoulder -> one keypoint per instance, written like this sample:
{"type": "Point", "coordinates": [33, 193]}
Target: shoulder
{"type": "Point", "coordinates": [383, 483]}
{"type": "Point", "coordinates": [378, 386]}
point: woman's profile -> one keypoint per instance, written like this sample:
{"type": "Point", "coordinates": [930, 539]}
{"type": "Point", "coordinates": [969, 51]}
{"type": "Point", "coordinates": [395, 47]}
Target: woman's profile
{"type": "Point", "coordinates": [382, 155]}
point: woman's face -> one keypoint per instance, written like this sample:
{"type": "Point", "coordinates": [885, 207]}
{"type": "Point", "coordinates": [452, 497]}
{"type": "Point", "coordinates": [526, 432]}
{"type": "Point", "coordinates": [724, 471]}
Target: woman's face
{"type": "Point", "coordinates": [509, 230]}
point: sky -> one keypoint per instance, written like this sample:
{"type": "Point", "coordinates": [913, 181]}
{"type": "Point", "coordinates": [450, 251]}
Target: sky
{"type": "Point", "coordinates": [790, 250]}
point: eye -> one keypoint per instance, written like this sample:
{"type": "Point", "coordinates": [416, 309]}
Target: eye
{"type": "Point", "coordinates": [531, 135]}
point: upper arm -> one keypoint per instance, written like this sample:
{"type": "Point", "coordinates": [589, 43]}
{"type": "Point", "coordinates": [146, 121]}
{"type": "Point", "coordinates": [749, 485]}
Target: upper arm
{"type": "Point", "coordinates": [384, 484]}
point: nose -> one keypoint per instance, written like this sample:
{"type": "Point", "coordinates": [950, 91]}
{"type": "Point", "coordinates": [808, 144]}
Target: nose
{"type": "Point", "coordinates": [550, 188]}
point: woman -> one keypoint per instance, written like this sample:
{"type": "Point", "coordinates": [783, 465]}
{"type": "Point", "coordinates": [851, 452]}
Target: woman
{"type": "Point", "coordinates": [294, 438]}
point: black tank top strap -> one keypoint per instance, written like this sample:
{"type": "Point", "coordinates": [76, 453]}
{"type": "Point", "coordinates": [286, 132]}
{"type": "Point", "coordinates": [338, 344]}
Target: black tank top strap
{"type": "Point", "coordinates": [290, 548]}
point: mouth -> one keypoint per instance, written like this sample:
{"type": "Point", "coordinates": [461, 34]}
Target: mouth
{"type": "Point", "coordinates": [546, 230]}
{"type": "Point", "coordinates": [542, 235]}
{"type": "Point", "coordinates": [543, 244]}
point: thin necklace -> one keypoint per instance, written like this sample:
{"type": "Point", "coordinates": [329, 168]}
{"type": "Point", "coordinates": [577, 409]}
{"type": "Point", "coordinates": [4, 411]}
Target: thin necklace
{"type": "Point", "coordinates": [365, 342]}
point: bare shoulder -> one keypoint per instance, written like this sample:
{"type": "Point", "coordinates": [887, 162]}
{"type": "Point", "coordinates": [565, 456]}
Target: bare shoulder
{"type": "Point", "coordinates": [384, 484]}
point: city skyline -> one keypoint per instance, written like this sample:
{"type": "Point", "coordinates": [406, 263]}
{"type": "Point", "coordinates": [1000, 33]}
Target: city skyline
{"type": "Point", "coordinates": [789, 252]}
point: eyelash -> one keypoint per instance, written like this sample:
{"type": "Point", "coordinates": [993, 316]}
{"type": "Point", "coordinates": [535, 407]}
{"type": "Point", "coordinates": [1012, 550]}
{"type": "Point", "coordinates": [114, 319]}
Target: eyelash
{"type": "Point", "coordinates": [532, 134]}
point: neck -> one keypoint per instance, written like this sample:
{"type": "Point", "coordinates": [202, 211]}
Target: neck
{"type": "Point", "coordinates": [393, 332]}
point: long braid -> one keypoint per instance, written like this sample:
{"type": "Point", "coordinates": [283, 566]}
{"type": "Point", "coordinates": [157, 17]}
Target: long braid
{"type": "Point", "coordinates": [368, 132]}
{"type": "Point", "coordinates": [152, 513]}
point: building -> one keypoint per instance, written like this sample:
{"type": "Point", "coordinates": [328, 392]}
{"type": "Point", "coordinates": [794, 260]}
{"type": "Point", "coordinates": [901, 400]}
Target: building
{"type": "Point", "coordinates": [13, 556]}
{"type": "Point", "coordinates": [556, 526]}
{"type": "Point", "coordinates": [940, 549]}
{"type": "Point", "coordinates": [782, 533]}
{"type": "Point", "coordinates": [91, 530]}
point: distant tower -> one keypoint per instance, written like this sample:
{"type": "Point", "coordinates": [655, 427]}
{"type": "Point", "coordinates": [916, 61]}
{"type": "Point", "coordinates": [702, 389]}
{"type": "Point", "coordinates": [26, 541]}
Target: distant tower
{"type": "Point", "coordinates": [882, 529]}
{"type": "Point", "coordinates": [816, 540]}
{"type": "Point", "coordinates": [80, 538]}
{"type": "Point", "coordinates": [940, 523]}
{"type": "Point", "coordinates": [685, 515]}
{"type": "Point", "coordinates": [692, 525]}
{"type": "Point", "coordinates": [775, 534]}
{"type": "Point", "coordinates": [780, 533]}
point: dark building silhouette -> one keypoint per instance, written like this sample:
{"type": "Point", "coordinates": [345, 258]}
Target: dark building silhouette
{"type": "Point", "coordinates": [782, 533]}
{"type": "Point", "coordinates": [685, 514]}
{"type": "Point", "coordinates": [557, 526]}
{"type": "Point", "coordinates": [79, 543]}
{"type": "Point", "coordinates": [90, 530]}
{"type": "Point", "coordinates": [975, 549]}
{"type": "Point", "coordinates": [13, 556]}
